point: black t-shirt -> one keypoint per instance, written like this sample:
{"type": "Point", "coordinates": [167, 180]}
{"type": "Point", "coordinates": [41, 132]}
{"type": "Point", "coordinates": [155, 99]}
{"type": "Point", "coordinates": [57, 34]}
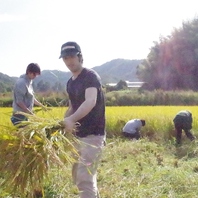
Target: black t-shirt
{"type": "Point", "coordinates": [94, 121]}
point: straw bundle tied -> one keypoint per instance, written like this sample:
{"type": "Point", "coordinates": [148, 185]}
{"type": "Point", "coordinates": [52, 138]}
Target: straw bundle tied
{"type": "Point", "coordinates": [27, 153]}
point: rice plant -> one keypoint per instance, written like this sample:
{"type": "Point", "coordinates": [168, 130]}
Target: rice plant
{"type": "Point", "coordinates": [29, 151]}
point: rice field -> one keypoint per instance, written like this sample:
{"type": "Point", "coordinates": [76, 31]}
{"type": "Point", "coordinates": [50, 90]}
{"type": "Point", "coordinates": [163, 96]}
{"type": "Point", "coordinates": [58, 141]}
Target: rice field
{"type": "Point", "coordinates": [151, 167]}
{"type": "Point", "coordinates": [158, 118]}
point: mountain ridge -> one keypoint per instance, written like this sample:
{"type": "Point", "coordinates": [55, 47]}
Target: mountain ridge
{"type": "Point", "coordinates": [110, 72]}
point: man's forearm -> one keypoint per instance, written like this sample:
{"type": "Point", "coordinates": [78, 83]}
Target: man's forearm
{"type": "Point", "coordinates": [83, 110]}
{"type": "Point", "coordinates": [68, 112]}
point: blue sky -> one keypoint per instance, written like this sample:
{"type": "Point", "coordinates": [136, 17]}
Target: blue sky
{"type": "Point", "coordinates": [34, 30]}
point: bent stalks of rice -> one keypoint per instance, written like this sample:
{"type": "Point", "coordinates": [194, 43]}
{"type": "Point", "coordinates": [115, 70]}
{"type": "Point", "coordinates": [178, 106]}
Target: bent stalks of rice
{"type": "Point", "coordinates": [29, 151]}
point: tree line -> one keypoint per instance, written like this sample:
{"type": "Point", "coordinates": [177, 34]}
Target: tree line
{"type": "Point", "coordinates": [172, 63]}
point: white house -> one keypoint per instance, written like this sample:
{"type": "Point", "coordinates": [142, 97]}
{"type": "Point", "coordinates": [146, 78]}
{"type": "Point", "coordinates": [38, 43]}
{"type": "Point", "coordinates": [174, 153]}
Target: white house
{"type": "Point", "coordinates": [129, 84]}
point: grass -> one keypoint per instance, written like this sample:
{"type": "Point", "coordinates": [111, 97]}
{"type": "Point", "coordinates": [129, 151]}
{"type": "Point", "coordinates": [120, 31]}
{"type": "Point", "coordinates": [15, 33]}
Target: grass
{"type": "Point", "coordinates": [143, 168]}
{"type": "Point", "coordinates": [152, 167]}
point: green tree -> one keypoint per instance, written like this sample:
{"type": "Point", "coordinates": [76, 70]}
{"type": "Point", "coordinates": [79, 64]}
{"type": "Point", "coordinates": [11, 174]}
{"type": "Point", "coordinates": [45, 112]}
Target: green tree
{"type": "Point", "coordinates": [2, 88]}
{"type": "Point", "coordinates": [173, 61]}
{"type": "Point", "coordinates": [121, 85]}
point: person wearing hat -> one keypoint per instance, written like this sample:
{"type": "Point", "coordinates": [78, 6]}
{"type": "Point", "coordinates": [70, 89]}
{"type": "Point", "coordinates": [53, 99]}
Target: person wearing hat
{"type": "Point", "coordinates": [132, 128]}
{"type": "Point", "coordinates": [23, 94]}
{"type": "Point", "coordinates": [87, 108]}
{"type": "Point", "coordinates": [183, 121]}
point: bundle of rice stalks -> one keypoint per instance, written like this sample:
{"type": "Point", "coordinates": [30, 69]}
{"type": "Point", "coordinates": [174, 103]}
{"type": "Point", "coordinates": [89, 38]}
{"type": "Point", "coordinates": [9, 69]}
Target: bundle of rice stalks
{"type": "Point", "coordinates": [29, 151]}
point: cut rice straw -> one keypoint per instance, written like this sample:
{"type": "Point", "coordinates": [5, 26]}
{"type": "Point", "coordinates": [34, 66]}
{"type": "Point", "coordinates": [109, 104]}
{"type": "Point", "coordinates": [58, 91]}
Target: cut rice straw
{"type": "Point", "coordinates": [30, 150]}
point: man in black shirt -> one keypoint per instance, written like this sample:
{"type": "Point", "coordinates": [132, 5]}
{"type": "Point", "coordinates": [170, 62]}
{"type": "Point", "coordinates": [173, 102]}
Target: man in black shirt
{"type": "Point", "coordinates": [87, 107]}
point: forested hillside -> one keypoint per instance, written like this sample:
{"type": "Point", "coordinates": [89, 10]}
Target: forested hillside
{"type": "Point", "coordinates": [6, 83]}
{"type": "Point", "coordinates": [118, 69]}
{"type": "Point", "coordinates": [172, 63]}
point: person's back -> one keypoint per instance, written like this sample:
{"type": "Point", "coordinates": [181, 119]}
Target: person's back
{"type": "Point", "coordinates": [184, 113]}
{"type": "Point", "coordinates": [183, 121]}
{"type": "Point", "coordinates": [132, 128]}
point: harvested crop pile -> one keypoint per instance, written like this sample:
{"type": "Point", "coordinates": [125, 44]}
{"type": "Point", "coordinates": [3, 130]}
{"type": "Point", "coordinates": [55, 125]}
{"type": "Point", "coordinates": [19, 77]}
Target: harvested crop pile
{"type": "Point", "coordinates": [29, 151]}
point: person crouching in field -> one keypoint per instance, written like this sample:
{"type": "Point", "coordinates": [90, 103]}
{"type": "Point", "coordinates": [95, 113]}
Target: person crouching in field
{"type": "Point", "coordinates": [183, 121]}
{"type": "Point", "coordinates": [132, 128]}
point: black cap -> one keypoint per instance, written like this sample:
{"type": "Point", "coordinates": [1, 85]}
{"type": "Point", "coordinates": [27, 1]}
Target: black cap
{"type": "Point", "coordinates": [70, 49]}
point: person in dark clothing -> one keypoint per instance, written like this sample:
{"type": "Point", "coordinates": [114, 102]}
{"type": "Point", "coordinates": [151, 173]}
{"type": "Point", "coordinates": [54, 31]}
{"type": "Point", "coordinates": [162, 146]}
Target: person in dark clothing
{"type": "Point", "coordinates": [183, 121]}
{"type": "Point", "coordinates": [87, 108]}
